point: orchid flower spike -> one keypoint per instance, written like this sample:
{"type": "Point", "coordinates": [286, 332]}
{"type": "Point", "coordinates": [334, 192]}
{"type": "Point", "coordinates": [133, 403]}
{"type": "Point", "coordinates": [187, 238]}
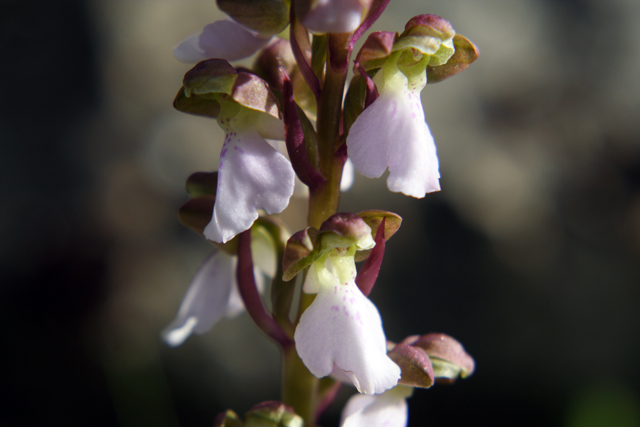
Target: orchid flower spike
{"type": "Point", "coordinates": [388, 409]}
{"type": "Point", "coordinates": [213, 292]}
{"type": "Point", "coordinates": [392, 132]}
{"type": "Point", "coordinates": [342, 328]}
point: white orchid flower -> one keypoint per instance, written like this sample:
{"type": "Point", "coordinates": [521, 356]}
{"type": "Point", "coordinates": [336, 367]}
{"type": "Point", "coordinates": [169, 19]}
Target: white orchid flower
{"type": "Point", "coordinates": [213, 292]}
{"type": "Point", "coordinates": [392, 133]}
{"type": "Point", "coordinates": [342, 328]}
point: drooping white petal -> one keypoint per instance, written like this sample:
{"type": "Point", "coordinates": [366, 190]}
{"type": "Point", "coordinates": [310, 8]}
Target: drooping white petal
{"type": "Point", "coordinates": [334, 16]}
{"type": "Point", "coordinates": [392, 133]}
{"type": "Point", "coordinates": [343, 328]}
{"type": "Point", "coordinates": [252, 175]}
{"type": "Point", "coordinates": [221, 39]}
{"type": "Point", "coordinates": [206, 299]}
{"type": "Point", "coordinates": [384, 410]}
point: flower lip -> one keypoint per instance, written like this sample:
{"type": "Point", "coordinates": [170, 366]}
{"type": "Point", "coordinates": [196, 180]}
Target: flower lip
{"type": "Point", "coordinates": [342, 327]}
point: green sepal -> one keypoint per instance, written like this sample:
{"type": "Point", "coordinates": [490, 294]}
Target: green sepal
{"type": "Point", "coordinates": [373, 218]}
{"type": "Point", "coordinates": [267, 17]}
{"type": "Point", "coordinates": [465, 53]}
{"type": "Point", "coordinates": [210, 77]}
{"type": "Point", "coordinates": [300, 252]}
{"type": "Point", "coordinates": [252, 92]}
{"type": "Point", "coordinates": [217, 81]}
{"type": "Point", "coordinates": [197, 105]}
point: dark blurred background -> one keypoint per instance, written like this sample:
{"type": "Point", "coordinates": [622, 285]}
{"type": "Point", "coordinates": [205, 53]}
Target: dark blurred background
{"type": "Point", "coordinates": [530, 255]}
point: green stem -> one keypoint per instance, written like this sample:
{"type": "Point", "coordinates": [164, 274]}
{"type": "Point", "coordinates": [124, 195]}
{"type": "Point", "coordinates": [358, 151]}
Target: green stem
{"type": "Point", "coordinates": [323, 201]}
{"type": "Point", "coordinates": [300, 387]}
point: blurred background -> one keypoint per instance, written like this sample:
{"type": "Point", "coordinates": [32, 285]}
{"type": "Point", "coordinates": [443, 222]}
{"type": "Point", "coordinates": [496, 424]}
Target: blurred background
{"type": "Point", "coordinates": [530, 255]}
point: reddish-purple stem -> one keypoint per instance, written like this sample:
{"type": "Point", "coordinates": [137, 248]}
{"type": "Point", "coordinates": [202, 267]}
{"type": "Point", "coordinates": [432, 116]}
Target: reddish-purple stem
{"type": "Point", "coordinates": [369, 272]}
{"type": "Point", "coordinates": [327, 399]}
{"type": "Point", "coordinates": [377, 9]}
{"type": "Point", "coordinates": [304, 67]}
{"type": "Point", "coordinates": [250, 295]}
{"type": "Point", "coordinates": [372, 90]}
{"type": "Point", "coordinates": [294, 137]}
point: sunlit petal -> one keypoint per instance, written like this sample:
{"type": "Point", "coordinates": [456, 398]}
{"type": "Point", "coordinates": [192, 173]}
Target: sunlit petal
{"type": "Point", "coordinates": [384, 410]}
{"type": "Point", "coordinates": [392, 133]}
{"type": "Point", "coordinates": [344, 328]}
{"type": "Point", "coordinates": [334, 16]}
{"type": "Point", "coordinates": [252, 175]}
{"type": "Point", "coordinates": [221, 39]}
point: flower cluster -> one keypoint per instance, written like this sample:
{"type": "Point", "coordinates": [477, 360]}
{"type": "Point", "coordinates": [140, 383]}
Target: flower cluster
{"type": "Point", "coordinates": [287, 126]}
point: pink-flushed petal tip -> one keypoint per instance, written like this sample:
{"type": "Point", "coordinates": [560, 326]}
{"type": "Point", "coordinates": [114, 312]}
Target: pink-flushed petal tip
{"type": "Point", "coordinates": [221, 39]}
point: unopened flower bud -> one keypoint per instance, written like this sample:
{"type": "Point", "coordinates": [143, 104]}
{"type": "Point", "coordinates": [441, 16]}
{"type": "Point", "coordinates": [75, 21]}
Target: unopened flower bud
{"type": "Point", "coordinates": [448, 356]}
{"type": "Point", "coordinates": [331, 16]}
{"type": "Point", "coordinates": [417, 370]}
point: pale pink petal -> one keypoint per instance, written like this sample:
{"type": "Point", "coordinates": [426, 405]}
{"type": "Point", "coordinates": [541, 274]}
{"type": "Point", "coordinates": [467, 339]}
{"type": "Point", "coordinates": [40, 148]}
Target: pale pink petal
{"type": "Point", "coordinates": [384, 410]}
{"type": "Point", "coordinates": [334, 16]}
{"type": "Point", "coordinates": [343, 328]}
{"type": "Point", "coordinates": [252, 175]}
{"type": "Point", "coordinates": [392, 133]}
{"type": "Point", "coordinates": [206, 299]}
{"type": "Point", "coordinates": [221, 39]}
